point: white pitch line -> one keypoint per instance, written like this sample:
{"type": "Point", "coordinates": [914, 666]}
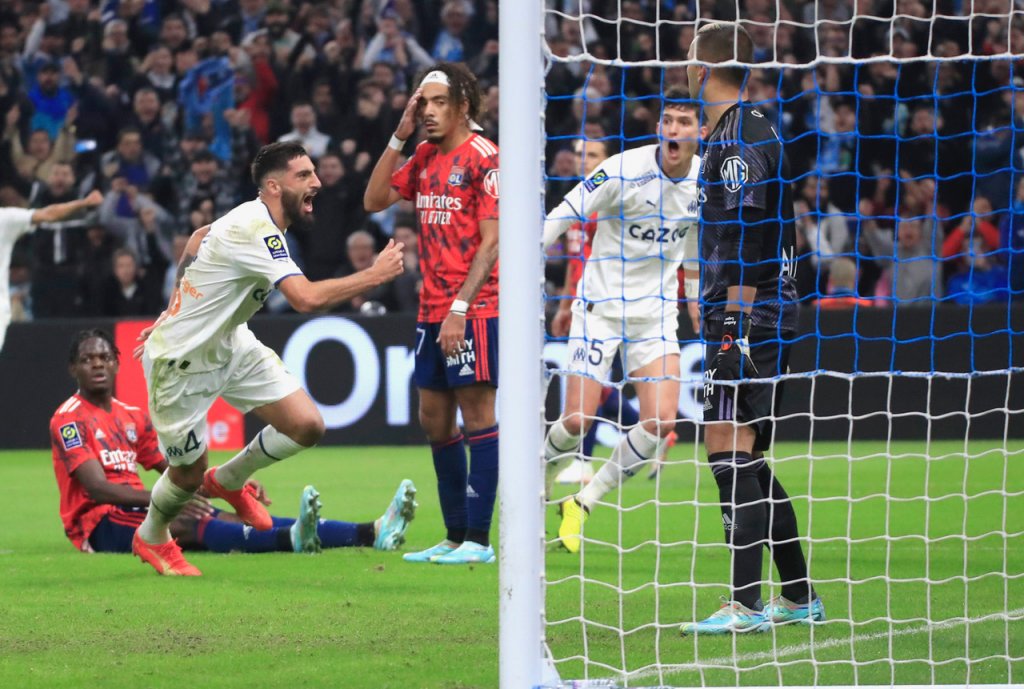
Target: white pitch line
{"type": "Point", "coordinates": [799, 649]}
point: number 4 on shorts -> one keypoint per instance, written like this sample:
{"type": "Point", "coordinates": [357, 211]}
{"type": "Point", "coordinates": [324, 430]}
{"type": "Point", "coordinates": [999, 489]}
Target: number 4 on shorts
{"type": "Point", "coordinates": [191, 443]}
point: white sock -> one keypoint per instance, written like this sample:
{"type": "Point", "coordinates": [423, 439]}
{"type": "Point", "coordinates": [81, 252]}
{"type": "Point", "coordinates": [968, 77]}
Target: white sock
{"type": "Point", "coordinates": [559, 442]}
{"type": "Point", "coordinates": [268, 447]}
{"type": "Point", "coordinates": [638, 446]}
{"type": "Point", "coordinates": [165, 502]}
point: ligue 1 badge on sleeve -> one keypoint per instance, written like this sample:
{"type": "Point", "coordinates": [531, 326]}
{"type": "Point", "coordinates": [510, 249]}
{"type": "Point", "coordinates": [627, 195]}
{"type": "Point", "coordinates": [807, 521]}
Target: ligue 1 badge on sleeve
{"type": "Point", "coordinates": [455, 175]}
{"type": "Point", "coordinates": [129, 431]}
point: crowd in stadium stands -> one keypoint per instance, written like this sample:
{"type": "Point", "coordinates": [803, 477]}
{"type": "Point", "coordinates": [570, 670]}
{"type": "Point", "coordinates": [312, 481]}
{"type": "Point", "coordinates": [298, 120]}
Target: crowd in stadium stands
{"type": "Point", "coordinates": [904, 173]}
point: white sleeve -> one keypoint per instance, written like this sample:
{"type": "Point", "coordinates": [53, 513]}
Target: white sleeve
{"type": "Point", "coordinates": [263, 251]}
{"type": "Point", "coordinates": [596, 194]}
{"type": "Point", "coordinates": [15, 222]}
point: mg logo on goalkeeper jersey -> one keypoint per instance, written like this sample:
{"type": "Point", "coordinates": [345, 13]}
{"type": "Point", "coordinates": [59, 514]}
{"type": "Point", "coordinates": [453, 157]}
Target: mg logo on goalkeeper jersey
{"type": "Point", "coordinates": [734, 173]}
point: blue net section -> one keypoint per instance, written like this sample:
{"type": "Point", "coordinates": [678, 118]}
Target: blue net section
{"type": "Point", "coordinates": [901, 431]}
{"type": "Point", "coordinates": [904, 140]}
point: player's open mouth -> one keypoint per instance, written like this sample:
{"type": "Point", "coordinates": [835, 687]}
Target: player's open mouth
{"type": "Point", "coordinates": [307, 203]}
{"type": "Point", "coordinates": [673, 147]}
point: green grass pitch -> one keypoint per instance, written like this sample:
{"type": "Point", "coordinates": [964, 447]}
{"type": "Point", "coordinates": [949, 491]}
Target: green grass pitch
{"type": "Point", "coordinates": [359, 618]}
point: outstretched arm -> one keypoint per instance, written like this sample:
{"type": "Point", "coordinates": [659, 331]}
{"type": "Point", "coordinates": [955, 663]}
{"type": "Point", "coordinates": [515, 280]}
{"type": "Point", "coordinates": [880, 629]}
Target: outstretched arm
{"type": "Point", "coordinates": [307, 297]}
{"type": "Point", "coordinates": [59, 211]}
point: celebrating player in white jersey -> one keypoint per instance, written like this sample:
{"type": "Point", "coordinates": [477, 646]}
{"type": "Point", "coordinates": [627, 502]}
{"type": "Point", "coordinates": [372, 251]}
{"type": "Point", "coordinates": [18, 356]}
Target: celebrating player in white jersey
{"type": "Point", "coordinates": [15, 222]}
{"type": "Point", "coordinates": [646, 203]}
{"type": "Point", "coordinates": [201, 349]}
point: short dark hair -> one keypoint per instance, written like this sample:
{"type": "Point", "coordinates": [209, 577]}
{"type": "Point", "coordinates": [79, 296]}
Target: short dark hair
{"type": "Point", "coordinates": [677, 97]}
{"type": "Point", "coordinates": [84, 335]}
{"type": "Point", "coordinates": [464, 87]}
{"type": "Point", "coordinates": [723, 41]}
{"type": "Point", "coordinates": [274, 158]}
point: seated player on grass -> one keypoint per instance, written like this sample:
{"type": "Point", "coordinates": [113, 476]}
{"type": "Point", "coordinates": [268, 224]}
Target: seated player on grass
{"type": "Point", "coordinates": [97, 443]}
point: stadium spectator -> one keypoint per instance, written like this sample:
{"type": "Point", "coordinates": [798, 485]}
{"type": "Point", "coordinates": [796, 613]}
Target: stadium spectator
{"type": "Point", "coordinates": [842, 286]}
{"type": "Point", "coordinates": [825, 226]}
{"type": "Point", "coordinates": [34, 162]}
{"type": "Point", "coordinates": [394, 45]}
{"type": "Point", "coordinates": [130, 162]}
{"type": "Point", "coordinates": [50, 100]}
{"type": "Point", "coordinates": [455, 16]}
{"type": "Point", "coordinates": [908, 262]}
{"type": "Point", "coordinates": [125, 294]}
{"type": "Point", "coordinates": [960, 244]}
{"type": "Point", "coordinates": [205, 181]}
{"type": "Point", "coordinates": [981, 279]}
{"type": "Point", "coordinates": [360, 253]}
{"type": "Point", "coordinates": [337, 213]}
{"type": "Point", "coordinates": [305, 132]}
{"type": "Point", "coordinates": [58, 251]}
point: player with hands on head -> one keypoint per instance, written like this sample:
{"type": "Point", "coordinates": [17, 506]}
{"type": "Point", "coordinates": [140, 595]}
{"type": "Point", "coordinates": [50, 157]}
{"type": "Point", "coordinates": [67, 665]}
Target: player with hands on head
{"type": "Point", "coordinates": [750, 316]}
{"type": "Point", "coordinates": [453, 179]}
{"type": "Point", "coordinates": [99, 442]}
{"type": "Point", "coordinates": [201, 348]}
{"type": "Point", "coordinates": [626, 303]}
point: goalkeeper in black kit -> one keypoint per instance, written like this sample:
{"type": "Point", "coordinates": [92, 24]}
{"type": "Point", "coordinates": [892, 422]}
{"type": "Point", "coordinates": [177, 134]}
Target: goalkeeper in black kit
{"type": "Point", "coordinates": [750, 311]}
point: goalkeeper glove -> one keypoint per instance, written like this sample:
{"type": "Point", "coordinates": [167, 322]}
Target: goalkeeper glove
{"type": "Point", "coordinates": [733, 362]}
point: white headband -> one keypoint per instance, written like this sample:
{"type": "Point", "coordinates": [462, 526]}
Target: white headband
{"type": "Point", "coordinates": [439, 77]}
{"type": "Point", "coordinates": [436, 77]}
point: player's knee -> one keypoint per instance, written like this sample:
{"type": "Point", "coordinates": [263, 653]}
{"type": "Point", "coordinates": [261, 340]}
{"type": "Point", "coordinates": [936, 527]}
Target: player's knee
{"type": "Point", "coordinates": [661, 426]}
{"type": "Point", "coordinates": [309, 430]}
{"type": "Point", "coordinates": [188, 477]}
{"type": "Point", "coordinates": [575, 424]}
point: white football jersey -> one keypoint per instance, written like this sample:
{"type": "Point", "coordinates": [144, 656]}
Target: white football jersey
{"type": "Point", "coordinates": [240, 260]}
{"type": "Point", "coordinates": [643, 218]}
{"type": "Point", "coordinates": [14, 222]}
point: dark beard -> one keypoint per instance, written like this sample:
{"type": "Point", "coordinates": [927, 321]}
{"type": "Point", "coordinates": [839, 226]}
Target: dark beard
{"type": "Point", "coordinates": [291, 204]}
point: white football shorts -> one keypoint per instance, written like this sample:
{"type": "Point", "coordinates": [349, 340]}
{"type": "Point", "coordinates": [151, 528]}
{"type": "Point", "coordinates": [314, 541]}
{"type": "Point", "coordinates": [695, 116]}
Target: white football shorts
{"type": "Point", "coordinates": [594, 340]}
{"type": "Point", "coordinates": [179, 400]}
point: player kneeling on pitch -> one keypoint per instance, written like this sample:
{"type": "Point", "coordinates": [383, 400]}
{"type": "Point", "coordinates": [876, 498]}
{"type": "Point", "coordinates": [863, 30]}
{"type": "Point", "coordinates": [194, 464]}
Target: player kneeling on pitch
{"type": "Point", "coordinates": [201, 349]}
{"type": "Point", "coordinates": [98, 442]}
{"type": "Point", "coordinates": [645, 200]}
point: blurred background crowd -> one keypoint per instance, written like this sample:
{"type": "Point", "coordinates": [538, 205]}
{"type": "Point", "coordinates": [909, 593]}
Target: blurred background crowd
{"type": "Point", "coordinates": [905, 173]}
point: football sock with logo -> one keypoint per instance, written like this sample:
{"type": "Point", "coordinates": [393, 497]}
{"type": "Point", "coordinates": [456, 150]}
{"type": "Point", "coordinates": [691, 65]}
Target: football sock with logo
{"type": "Point", "coordinates": [744, 518]}
{"type": "Point", "coordinates": [559, 441]}
{"type": "Point", "coordinates": [637, 446]}
{"type": "Point", "coordinates": [165, 502]}
{"type": "Point", "coordinates": [268, 447]}
{"type": "Point", "coordinates": [482, 486]}
{"type": "Point", "coordinates": [783, 537]}
{"type": "Point", "coordinates": [451, 470]}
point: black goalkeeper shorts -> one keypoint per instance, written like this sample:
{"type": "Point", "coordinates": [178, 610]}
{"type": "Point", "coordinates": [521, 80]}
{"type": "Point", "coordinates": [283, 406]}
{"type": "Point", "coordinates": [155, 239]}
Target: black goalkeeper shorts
{"type": "Point", "coordinates": [752, 403]}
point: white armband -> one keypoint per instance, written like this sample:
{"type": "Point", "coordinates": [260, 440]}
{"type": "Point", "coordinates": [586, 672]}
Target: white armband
{"type": "Point", "coordinates": [459, 307]}
{"type": "Point", "coordinates": [396, 143]}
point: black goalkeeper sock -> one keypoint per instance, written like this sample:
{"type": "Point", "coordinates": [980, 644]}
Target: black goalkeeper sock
{"type": "Point", "coordinates": [783, 534]}
{"type": "Point", "coordinates": [744, 518]}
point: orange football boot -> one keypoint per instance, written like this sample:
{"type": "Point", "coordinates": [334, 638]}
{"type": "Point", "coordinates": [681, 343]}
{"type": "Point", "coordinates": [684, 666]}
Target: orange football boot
{"type": "Point", "coordinates": [247, 507]}
{"type": "Point", "coordinates": [165, 558]}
